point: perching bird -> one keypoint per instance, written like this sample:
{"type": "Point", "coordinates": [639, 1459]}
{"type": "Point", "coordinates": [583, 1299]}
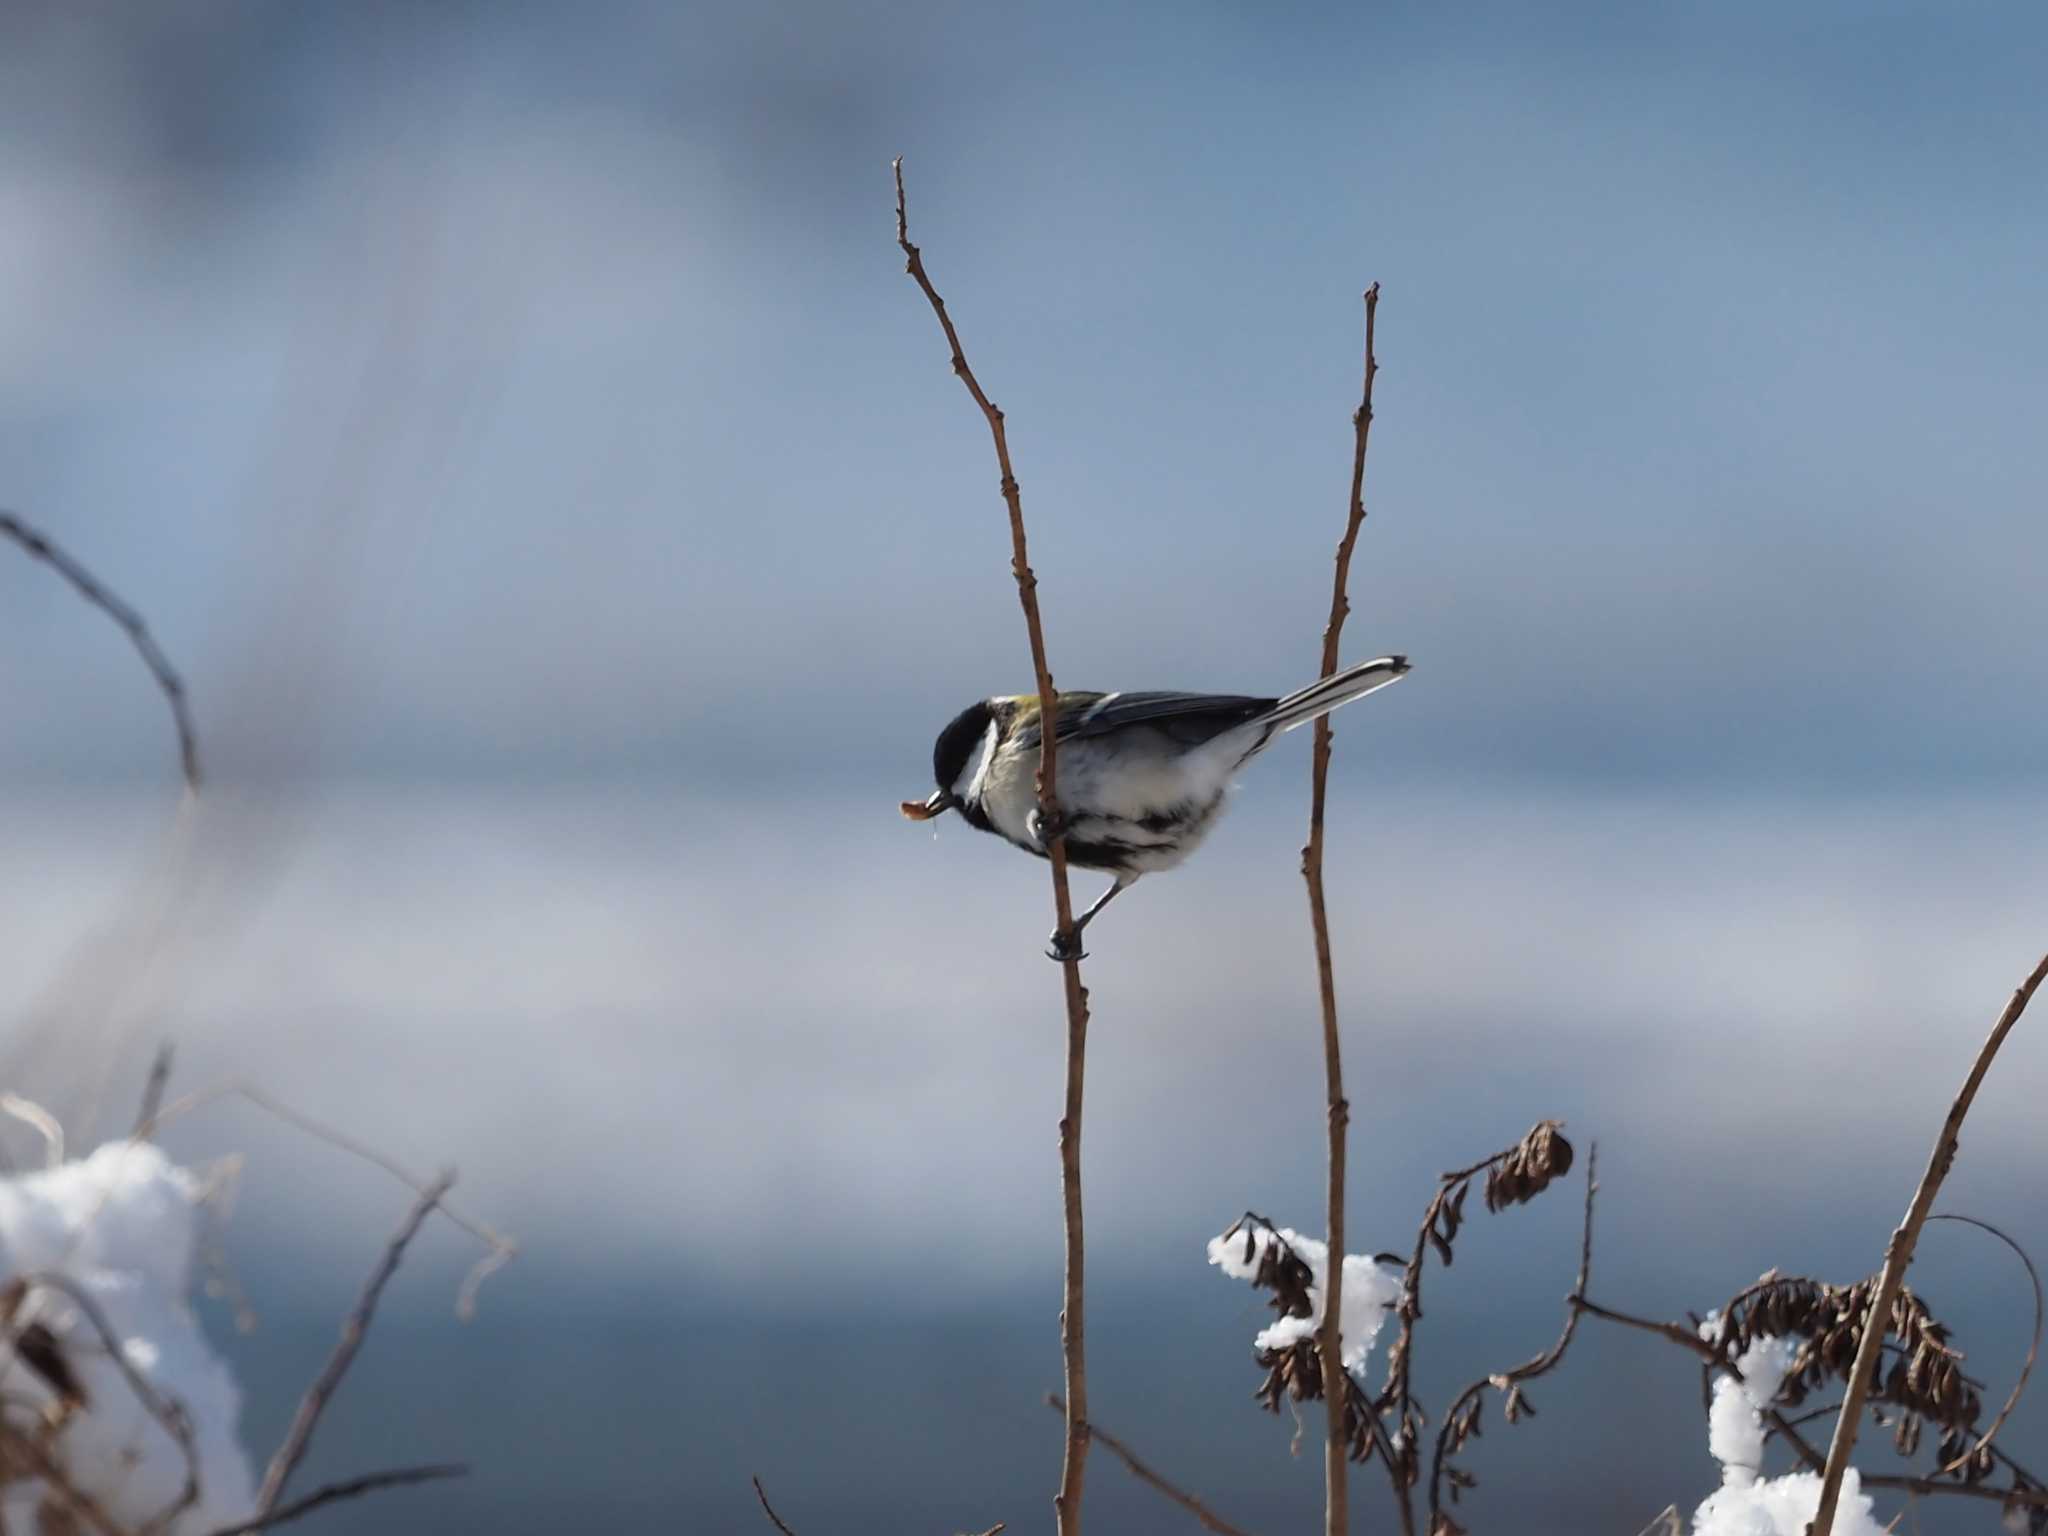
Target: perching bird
{"type": "Point", "coordinates": [1141, 776]}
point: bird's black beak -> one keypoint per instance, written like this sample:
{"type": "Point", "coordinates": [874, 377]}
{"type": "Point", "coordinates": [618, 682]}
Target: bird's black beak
{"type": "Point", "coordinates": [939, 802]}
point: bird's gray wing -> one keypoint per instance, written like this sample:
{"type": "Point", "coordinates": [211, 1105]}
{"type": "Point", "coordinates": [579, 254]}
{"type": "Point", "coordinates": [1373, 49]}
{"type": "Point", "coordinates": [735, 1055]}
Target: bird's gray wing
{"type": "Point", "coordinates": [1188, 718]}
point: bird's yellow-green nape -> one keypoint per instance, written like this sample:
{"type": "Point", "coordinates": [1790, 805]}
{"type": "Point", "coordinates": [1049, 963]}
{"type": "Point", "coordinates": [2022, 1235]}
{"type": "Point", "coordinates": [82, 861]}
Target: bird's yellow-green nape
{"type": "Point", "coordinates": [1024, 706]}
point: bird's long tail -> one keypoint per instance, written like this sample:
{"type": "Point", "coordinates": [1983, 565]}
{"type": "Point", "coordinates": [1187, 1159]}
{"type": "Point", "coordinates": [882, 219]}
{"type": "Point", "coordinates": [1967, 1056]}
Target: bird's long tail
{"type": "Point", "coordinates": [1320, 698]}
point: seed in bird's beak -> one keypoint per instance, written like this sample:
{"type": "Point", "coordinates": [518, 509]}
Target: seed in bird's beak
{"type": "Point", "coordinates": [924, 810]}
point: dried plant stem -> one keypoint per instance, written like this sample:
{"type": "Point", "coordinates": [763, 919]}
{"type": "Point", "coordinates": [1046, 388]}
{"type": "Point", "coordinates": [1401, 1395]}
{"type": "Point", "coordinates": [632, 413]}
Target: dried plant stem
{"type": "Point", "coordinates": [502, 1249]}
{"type": "Point", "coordinates": [353, 1331]}
{"type": "Point", "coordinates": [1530, 1369]}
{"type": "Point", "coordinates": [769, 1509]}
{"type": "Point", "coordinates": [1211, 1521]}
{"type": "Point", "coordinates": [88, 587]}
{"type": "Point", "coordinates": [153, 1092]}
{"type": "Point", "coordinates": [1336, 1498]}
{"type": "Point", "coordinates": [1073, 1330]}
{"type": "Point", "coordinates": [2019, 1387]}
{"type": "Point", "coordinates": [348, 1488]}
{"type": "Point", "coordinates": [1899, 1254]}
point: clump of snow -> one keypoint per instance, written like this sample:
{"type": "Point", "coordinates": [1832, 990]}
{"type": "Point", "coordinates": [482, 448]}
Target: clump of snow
{"type": "Point", "coordinates": [1783, 1506]}
{"type": "Point", "coordinates": [1735, 1422]}
{"type": "Point", "coordinates": [1370, 1289]}
{"type": "Point", "coordinates": [1747, 1503]}
{"type": "Point", "coordinates": [123, 1225]}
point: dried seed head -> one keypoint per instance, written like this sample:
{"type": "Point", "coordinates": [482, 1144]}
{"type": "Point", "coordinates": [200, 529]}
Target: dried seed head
{"type": "Point", "coordinates": [1540, 1157]}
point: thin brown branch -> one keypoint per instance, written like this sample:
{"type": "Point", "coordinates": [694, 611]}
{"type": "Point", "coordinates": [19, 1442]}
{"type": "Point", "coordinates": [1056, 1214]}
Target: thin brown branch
{"type": "Point", "coordinates": [1211, 1521]}
{"type": "Point", "coordinates": [1330, 1337]}
{"type": "Point", "coordinates": [1073, 1328]}
{"type": "Point", "coordinates": [769, 1509]}
{"type": "Point", "coordinates": [1529, 1370]}
{"type": "Point", "coordinates": [502, 1249]}
{"type": "Point", "coordinates": [88, 586]}
{"type": "Point", "coordinates": [347, 1488]}
{"type": "Point", "coordinates": [153, 1092]}
{"type": "Point", "coordinates": [353, 1330]}
{"type": "Point", "coordinates": [2033, 1344]}
{"type": "Point", "coordinates": [168, 1412]}
{"type": "Point", "coordinates": [1899, 1254]}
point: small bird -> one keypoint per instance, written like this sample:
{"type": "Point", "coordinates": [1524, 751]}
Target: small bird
{"type": "Point", "coordinates": [1141, 776]}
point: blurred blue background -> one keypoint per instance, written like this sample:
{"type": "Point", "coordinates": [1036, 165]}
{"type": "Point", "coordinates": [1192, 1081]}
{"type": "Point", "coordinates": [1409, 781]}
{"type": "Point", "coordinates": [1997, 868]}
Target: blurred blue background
{"type": "Point", "coordinates": [516, 422]}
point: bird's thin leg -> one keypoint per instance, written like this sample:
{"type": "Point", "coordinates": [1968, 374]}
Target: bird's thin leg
{"type": "Point", "coordinates": [1059, 950]}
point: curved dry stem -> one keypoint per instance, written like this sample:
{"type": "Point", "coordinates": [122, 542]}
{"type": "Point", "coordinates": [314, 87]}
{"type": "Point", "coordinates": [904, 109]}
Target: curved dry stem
{"type": "Point", "coordinates": [89, 587]}
{"type": "Point", "coordinates": [502, 1249]}
{"type": "Point", "coordinates": [769, 1509]}
{"type": "Point", "coordinates": [2033, 1345]}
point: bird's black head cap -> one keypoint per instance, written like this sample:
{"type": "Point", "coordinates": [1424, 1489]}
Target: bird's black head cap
{"type": "Point", "coordinates": [958, 742]}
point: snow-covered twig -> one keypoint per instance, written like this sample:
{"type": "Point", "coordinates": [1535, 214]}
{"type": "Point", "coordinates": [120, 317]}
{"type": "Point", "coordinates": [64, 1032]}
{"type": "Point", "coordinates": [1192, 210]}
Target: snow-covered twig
{"type": "Point", "coordinates": [348, 1488]}
{"type": "Point", "coordinates": [1336, 1492]}
{"type": "Point", "coordinates": [2028, 1491]}
{"type": "Point", "coordinates": [1211, 1521]}
{"type": "Point", "coordinates": [89, 587]}
{"type": "Point", "coordinates": [353, 1331]}
{"type": "Point", "coordinates": [1899, 1254]}
{"type": "Point", "coordinates": [168, 1412]}
{"type": "Point", "coordinates": [1073, 1331]}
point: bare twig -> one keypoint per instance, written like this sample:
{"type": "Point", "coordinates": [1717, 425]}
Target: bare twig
{"type": "Point", "coordinates": [769, 1509]}
{"type": "Point", "coordinates": [353, 1331]}
{"type": "Point", "coordinates": [153, 1092]}
{"type": "Point", "coordinates": [1073, 1331]}
{"type": "Point", "coordinates": [88, 586]}
{"type": "Point", "coordinates": [1211, 1521]}
{"type": "Point", "coordinates": [1510, 1381]}
{"type": "Point", "coordinates": [348, 1488]}
{"type": "Point", "coordinates": [1336, 1491]}
{"type": "Point", "coordinates": [502, 1249]}
{"type": "Point", "coordinates": [1899, 1254]}
{"type": "Point", "coordinates": [2033, 1344]}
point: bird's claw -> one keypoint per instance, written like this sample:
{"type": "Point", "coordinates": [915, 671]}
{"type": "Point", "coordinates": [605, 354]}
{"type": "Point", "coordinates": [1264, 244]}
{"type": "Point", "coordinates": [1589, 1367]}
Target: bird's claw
{"type": "Point", "coordinates": [1049, 828]}
{"type": "Point", "coordinates": [1062, 949]}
